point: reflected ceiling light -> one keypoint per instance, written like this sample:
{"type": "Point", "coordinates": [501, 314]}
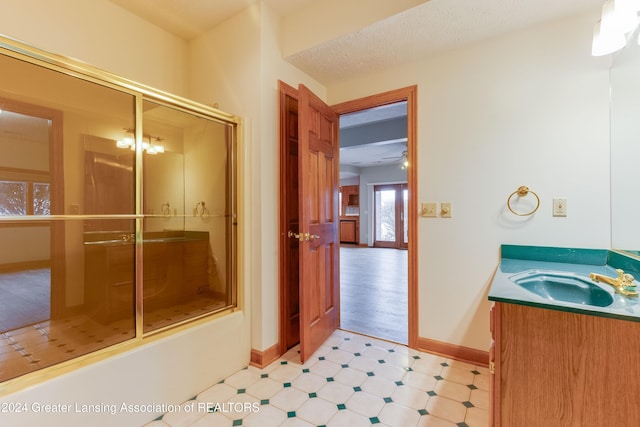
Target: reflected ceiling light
{"type": "Point", "coordinates": [126, 142]}
{"type": "Point", "coordinates": [150, 146]}
{"type": "Point", "coordinates": [618, 22]}
{"type": "Point", "coordinates": [405, 160]}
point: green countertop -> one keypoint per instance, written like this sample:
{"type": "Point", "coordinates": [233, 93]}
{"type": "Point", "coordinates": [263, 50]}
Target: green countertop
{"type": "Point", "coordinates": [517, 259]}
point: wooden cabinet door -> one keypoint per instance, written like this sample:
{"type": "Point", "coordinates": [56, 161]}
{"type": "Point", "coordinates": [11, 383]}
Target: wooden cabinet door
{"type": "Point", "coordinates": [347, 231]}
{"type": "Point", "coordinates": [558, 368]}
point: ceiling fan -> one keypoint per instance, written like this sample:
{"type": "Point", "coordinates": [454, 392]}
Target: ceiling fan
{"type": "Point", "coordinates": [403, 157]}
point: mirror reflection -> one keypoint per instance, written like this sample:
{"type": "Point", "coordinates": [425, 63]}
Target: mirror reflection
{"type": "Point", "coordinates": [45, 315]}
{"type": "Point", "coordinates": [625, 149]}
{"type": "Point", "coordinates": [69, 225]}
{"type": "Point", "coordinates": [189, 209]}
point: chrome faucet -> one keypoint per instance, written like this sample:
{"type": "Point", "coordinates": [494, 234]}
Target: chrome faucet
{"type": "Point", "coordinates": [623, 284]}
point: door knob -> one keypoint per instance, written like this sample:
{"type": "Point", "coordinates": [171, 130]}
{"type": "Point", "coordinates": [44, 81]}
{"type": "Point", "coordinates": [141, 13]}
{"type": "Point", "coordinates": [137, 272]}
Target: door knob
{"type": "Point", "coordinates": [303, 236]}
{"type": "Point", "coordinates": [295, 235]}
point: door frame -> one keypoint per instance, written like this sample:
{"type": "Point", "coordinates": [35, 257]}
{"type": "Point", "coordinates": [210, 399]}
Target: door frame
{"type": "Point", "coordinates": [408, 94]}
{"type": "Point", "coordinates": [284, 241]}
{"type": "Point", "coordinates": [57, 261]}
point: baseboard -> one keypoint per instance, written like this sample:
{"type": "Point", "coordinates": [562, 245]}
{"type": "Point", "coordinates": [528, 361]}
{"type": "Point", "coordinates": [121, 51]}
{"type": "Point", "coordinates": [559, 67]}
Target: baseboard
{"type": "Point", "coordinates": [452, 351]}
{"type": "Point", "coordinates": [25, 265]}
{"type": "Point", "coordinates": [260, 359]}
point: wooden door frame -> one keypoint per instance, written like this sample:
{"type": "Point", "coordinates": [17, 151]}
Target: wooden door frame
{"type": "Point", "coordinates": [57, 261]}
{"type": "Point", "coordinates": [410, 95]}
{"type": "Point", "coordinates": [284, 91]}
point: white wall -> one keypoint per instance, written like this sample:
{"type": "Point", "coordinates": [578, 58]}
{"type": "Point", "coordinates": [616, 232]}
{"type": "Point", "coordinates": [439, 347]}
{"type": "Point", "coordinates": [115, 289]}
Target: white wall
{"type": "Point", "coordinates": [168, 370]}
{"type": "Point", "coordinates": [494, 116]}
{"type": "Point", "coordinates": [101, 34]}
{"type": "Point", "coordinates": [243, 78]}
{"type": "Point", "coordinates": [530, 108]}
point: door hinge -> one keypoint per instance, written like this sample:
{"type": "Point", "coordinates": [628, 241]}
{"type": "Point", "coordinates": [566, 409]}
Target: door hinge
{"type": "Point", "coordinates": [492, 367]}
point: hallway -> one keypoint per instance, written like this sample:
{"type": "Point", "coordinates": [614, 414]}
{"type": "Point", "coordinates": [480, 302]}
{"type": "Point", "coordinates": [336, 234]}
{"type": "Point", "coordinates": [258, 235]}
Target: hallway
{"type": "Point", "coordinates": [373, 292]}
{"type": "Point", "coordinates": [352, 381]}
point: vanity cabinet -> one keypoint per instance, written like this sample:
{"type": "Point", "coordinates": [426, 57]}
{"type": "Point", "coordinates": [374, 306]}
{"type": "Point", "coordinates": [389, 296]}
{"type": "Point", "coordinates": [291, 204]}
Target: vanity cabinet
{"type": "Point", "coordinates": [175, 270]}
{"type": "Point", "coordinates": [109, 278]}
{"type": "Point", "coordinates": [559, 368]}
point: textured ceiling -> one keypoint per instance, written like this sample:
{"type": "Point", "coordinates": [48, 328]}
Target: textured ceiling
{"type": "Point", "coordinates": [428, 29]}
{"type": "Point", "coordinates": [432, 27]}
{"type": "Point", "coordinates": [417, 33]}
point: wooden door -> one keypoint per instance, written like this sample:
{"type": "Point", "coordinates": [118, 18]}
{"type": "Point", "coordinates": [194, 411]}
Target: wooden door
{"type": "Point", "coordinates": [318, 180]}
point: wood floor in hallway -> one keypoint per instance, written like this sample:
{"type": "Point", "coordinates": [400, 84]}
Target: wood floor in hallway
{"type": "Point", "coordinates": [373, 292]}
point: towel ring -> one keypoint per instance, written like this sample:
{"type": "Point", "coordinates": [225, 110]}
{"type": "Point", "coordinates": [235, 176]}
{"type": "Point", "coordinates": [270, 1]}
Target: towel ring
{"type": "Point", "coordinates": [201, 210]}
{"type": "Point", "coordinates": [523, 191]}
{"type": "Point", "coordinates": [166, 209]}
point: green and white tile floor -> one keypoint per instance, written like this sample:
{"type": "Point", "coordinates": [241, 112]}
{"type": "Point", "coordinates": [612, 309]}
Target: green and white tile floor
{"type": "Point", "coordinates": [352, 380]}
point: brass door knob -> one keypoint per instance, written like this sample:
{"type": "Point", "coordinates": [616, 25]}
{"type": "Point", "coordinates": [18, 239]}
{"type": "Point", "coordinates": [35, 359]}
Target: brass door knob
{"type": "Point", "coordinates": [303, 236]}
{"type": "Point", "coordinates": [295, 235]}
{"type": "Point", "coordinates": [309, 237]}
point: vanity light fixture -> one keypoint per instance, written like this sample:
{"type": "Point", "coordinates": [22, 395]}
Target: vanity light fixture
{"type": "Point", "coordinates": [150, 146]}
{"type": "Point", "coordinates": [405, 160]}
{"type": "Point", "coordinates": [616, 26]}
{"type": "Point", "coordinates": [154, 148]}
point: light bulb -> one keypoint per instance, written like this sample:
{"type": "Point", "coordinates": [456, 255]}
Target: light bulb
{"type": "Point", "coordinates": [606, 41]}
{"type": "Point", "coordinates": [626, 15]}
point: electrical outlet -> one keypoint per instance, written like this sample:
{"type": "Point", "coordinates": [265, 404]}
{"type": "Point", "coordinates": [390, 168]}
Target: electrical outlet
{"type": "Point", "coordinates": [428, 210]}
{"type": "Point", "coordinates": [560, 207]}
{"type": "Point", "coordinates": [445, 210]}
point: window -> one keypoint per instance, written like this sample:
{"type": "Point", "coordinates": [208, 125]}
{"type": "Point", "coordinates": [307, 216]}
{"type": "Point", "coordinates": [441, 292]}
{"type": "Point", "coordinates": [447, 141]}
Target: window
{"type": "Point", "coordinates": [24, 198]}
{"type": "Point", "coordinates": [13, 198]}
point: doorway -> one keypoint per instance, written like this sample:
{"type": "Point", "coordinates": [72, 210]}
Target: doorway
{"type": "Point", "coordinates": [31, 191]}
{"type": "Point", "coordinates": [373, 274]}
{"type": "Point", "coordinates": [289, 258]}
{"type": "Point", "coordinates": [391, 207]}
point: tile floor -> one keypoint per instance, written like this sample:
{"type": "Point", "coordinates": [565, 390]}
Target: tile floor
{"type": "Point", "coordinates": [33, 347]}
{"type": "Point", "coordinates": [352, 380]}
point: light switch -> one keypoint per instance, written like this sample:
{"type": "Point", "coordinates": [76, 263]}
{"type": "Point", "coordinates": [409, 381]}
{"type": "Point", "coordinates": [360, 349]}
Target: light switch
{"type": "Point", "coordinates": [560, 207]}
{"type": "Point", "coordinates": [445, 210]}
{"type": "Point", "coordinates": [428, 210]}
